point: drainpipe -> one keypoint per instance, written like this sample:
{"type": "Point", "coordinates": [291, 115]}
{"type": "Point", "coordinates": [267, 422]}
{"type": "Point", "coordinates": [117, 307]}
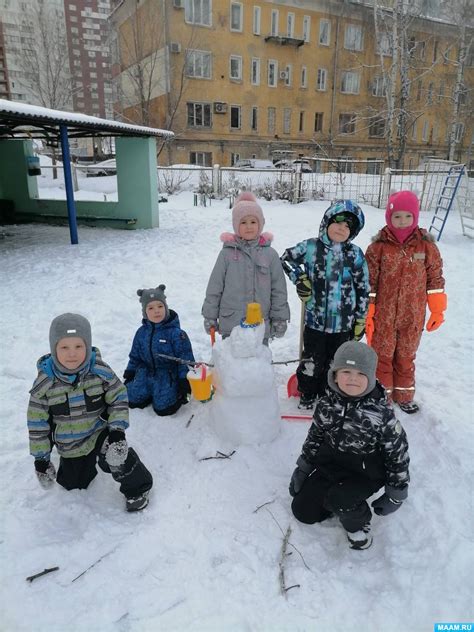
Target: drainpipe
{"type": "Point", "coordinates": [71, 206]}
{"type": "Point", "coordinates": [334, 82]}
{"type": "Point", "coordinates": [169, 78]}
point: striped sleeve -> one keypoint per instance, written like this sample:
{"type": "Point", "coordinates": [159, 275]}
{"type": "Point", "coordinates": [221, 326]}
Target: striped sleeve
{"type": "Point", "coordinates": [117, 402]}
{"type": "Point", "coordinates": [39, 429]}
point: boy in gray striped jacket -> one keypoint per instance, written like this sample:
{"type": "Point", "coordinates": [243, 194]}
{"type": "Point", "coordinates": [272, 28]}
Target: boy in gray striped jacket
{"type": "Point", "coordinates": [78, 404]}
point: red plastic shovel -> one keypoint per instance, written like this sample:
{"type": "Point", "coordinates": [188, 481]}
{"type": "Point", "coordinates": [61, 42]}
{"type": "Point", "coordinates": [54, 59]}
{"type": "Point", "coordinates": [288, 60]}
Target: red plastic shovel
{"type": "Point", "coordinates": [292, 385]}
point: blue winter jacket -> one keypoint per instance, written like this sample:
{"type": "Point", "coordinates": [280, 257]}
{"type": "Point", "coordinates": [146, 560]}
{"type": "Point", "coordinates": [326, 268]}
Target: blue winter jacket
{"type": "Point", "coordinates": [165, 338]}
{"type": "Point", "coordinates": [338, 275]}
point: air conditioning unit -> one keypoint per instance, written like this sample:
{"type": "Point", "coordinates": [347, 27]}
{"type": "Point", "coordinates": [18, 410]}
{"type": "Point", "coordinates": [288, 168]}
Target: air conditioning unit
{"type": "Point", "coordinates": [283, 75]}
{"type": "Point", "coordinates": [175, 47]}
{"type": "Point", "coordinates": [220, 108]}
{"type": "Point", "coordinates": [178, 4]}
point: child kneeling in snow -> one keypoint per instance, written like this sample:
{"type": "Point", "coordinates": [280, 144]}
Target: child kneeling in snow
{"type": "Point", "coordinates": [354, 447]}
{"type": "Point", "coordinates": [247, 270]}
{"type": "Point", "coordinates": [78, 404]}
{"type": "Point", "coordinates": [151, 378]}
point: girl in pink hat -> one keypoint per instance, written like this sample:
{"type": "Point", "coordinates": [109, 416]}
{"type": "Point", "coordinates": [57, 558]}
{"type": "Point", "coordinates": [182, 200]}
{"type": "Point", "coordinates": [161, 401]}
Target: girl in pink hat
{"type": "Point", "coordinates": [405, 273]}
{"type": "Point", "coordinates": [247, 270]}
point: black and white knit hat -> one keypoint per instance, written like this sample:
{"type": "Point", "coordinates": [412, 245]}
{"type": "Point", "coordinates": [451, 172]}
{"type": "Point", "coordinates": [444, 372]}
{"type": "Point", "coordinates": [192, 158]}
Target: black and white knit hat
{"type": "Point", "coordinates": [354, 355]}
{"type": "Point", "coordinates": [153, 294]}
{"type": "Point", "coordinates": [70, 326]}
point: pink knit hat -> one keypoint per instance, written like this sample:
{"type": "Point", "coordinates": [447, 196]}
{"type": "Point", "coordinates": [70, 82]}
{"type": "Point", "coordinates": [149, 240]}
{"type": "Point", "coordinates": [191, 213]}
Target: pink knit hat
{"type": "Point", "coordinates": [402, 201]}
{"type": "Point", "coordinates": [246, 204]}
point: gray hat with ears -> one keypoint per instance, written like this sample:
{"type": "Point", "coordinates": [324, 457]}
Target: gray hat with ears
{"type": "Point", "coordinates": [354, 355]}
{"type": "Point", "coordinates": [70, 326]}
{"type": "Point", "coordinates": [156, 294]}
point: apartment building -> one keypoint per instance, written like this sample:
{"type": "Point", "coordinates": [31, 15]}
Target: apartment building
{"type": "Point", "coordinates": [4, 85]}
{"type": "Point", "coordinates": [243, 79]}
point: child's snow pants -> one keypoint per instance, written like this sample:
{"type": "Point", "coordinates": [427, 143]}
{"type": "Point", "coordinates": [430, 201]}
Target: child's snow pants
{"type": "Point", "coordinates": [77, 473]}
{"type": "Point", "coordinates": [322, 495]}
{"type": "Point", "coordinates": [319, 347]}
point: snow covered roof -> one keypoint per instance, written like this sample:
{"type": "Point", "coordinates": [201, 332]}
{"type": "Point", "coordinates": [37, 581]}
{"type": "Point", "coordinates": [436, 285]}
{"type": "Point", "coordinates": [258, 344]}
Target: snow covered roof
{"type": "Point", "coordinates": [34, 121]}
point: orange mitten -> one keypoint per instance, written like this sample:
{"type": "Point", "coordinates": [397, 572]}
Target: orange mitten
{"type": "Point", "coordinates": [369, 324]}
{"type": "Point", "coordinates": [437, 303]}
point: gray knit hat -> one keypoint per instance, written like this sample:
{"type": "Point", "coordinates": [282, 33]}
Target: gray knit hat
{"type": "Point", "coordinates": [354, 355]}
{"type": "Point", "coordinates": [70, 326]}
{"type": "Point", "coordinates": [156, 294]}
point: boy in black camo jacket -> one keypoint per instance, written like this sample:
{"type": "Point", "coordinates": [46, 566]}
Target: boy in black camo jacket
{"type": "Point", "coordinates": [354, 447]}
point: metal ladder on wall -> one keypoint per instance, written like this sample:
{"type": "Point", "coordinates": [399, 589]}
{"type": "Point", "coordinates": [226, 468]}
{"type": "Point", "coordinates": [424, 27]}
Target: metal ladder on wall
{"type": "Point", "coordinates": [446, 200]}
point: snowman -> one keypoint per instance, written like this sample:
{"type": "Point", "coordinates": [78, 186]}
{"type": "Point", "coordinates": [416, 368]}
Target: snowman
{"type": "Point", "coordinates": [244, 409]}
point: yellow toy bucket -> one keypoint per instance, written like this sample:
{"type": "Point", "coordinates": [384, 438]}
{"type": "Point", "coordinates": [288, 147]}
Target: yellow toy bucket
{"type": "Point", "coordinates": [254, 314]}
{"type": "Point", "coordinates": [200, 379]}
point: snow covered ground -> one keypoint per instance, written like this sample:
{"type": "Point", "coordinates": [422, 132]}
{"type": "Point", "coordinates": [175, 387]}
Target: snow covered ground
{"type": "Point", "coordinates": [201, 558]}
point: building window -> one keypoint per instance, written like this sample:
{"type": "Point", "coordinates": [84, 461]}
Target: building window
{"type": "Point", "coordinates": [441, 92]}
{"type": "Point", "coordinates": [199, 115]}
{"type": "Point", "coordinates": [425, 131]}
{"type": "Point", "coordinates": [254, 119]}
{"type": "Point", "coordinates": [235, 117]}
{"type": "Point", "coordinates": [272, 73]}
{"type": "Point", "coordinates": [304, 77]}
{"type": "Point", "coordinates": [235, 68]}
{"type": "Point", "coordinates": [430, 93]}
{"type": "Point", "coordinates": [376, 128]}
{"type": "Point", "coordinates": [290, 25]}
{"type": "Point", "coordinates": [435, 50]}
{"type": "Point", "coordinates": [418, 90]}
{"type": "Point", "coordinates": [198, 12]}
{"type": "Point", "coordinates": [255, 72]}
{"type": "Point", "coordinates": [234, 158]}
{"type": "Point", "coordinates": [321, 79]}
{"type": "Point", "coordinates": [236, 16]}
{"type": "Point", "coordinates": [271, 119]}
{"type": "Point", "coordinates": [384, 45]}
{"type": "Point", "coordinates": [288, 75]}
{"type": "Point", "coordinates": [306, 27]}
{"type": "Point", "coordinates": [318, 121]}
{"type": "Point", "coordinates": [346, 123]}
{"type": "Point", "coordinates": [286, 120]}
{"type": "Point", "coordinates": [374, 167]}
{"type": "Point", "coordinates": [202, 158]}
{"type": "Point", "coordinates": [324, 32]}
{"type": "Point", "coordinates": [198, 64]}
{"type": "Point", "coordinates": [350, 82]}
{"type": "Point", "coordinates": [378, 87]}
{"type": "Point", "coordinates": [274, 23]}
{"type": "Point", "coordinates": [301, 122]}
{"type": "Point", "coordinates": [353, 37]}
{"type": "Point", "coordinates": [459, 132]}
{"type": "Point", "coordinates": [257, 16]}
{"type": "Point", "coordinates": [413, 131]}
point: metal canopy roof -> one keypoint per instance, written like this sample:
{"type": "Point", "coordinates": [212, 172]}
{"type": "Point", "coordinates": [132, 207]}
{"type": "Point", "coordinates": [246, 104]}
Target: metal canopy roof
{"type": "Point", "coordinates": [21, 120]}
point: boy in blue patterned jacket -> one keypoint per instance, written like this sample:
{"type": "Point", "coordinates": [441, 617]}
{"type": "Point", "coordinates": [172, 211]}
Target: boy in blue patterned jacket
{"type": "Point", "coordinates": [79, 405]}
{"type": "Point", "coordinates": [331, 278]}
{"type": "Point", "coordinates": [151, 378]}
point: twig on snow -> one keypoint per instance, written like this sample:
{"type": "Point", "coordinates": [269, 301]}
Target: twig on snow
{"type": "Point", "coordinates": [189, 421]}
{"type": "Point", "coordinates": [32, 578]}
{"type": "Point", "coordinates": [219, 455]}
{"type": "Point", "coordinates": [264, 504]}
{"type": "Point", "coordinates": [94, 564]}
{"type": "Point", "coordinates": [283, 554]}
{"type": "Point", "coordinates": [292, 545]}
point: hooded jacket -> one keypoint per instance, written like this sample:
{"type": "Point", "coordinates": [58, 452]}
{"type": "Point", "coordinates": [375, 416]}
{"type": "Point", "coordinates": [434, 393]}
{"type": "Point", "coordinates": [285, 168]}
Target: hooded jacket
{"type": "Point", "coordinates": [338, 274]}
{"type": "Point", "coordinates": [360, 435]}
{"type": "Point", "coordinates": [72, 410]}
{"type": "Point", "coordinates": [246, 272]}
{"type": "Point", "coordinates": [401, 275]}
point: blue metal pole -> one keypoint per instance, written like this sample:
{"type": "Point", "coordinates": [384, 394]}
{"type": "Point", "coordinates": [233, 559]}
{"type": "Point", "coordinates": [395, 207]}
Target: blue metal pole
{"type": "Point", "coordinates": [71, 206]}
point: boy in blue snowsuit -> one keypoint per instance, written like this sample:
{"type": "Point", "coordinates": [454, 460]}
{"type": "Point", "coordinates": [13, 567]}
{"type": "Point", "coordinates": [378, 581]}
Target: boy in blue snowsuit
{"type": "Point", "coordinates": [331, 278]}
{"type": "Point", "coordinates": [149, 377]}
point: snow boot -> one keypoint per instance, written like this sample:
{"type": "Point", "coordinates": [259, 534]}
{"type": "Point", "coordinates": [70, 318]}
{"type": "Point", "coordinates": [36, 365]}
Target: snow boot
{"type": "Point", "coordinates": [138, 503]}
{"type": "Point", "coordinates": [409, 407]}
{"type": "Point", "coordinates": [361, 539]}
{"type": "Point", "coordinates": [307, 401]}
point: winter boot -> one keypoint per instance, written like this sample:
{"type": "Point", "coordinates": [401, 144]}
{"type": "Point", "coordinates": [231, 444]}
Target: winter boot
{"type": "Point", "coordinates": [307, 401]}
{"type": "Point", "coordinates": [138, 503]}
{"type": "Point", "coordinates": [360, 539]}
{"type": "Point", "coordinates": [409, 407]}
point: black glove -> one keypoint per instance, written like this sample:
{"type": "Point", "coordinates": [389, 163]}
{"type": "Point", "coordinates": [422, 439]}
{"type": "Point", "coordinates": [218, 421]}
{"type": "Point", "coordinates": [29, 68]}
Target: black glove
{"type": "Point", "coordinates": [128, 376]}
{"type": "Point", "coordinates": [389, 501]}
{"type": "Point", "coordinates": [46, 473]}
{"type": "Point", "coordinates": [304, 287]}
{"type": "Point", "coordinates": [116, 448]}
{"type": "Point", "coordinates": [184, 389]}
{"type": "Point", "coordinates": [299, 476]}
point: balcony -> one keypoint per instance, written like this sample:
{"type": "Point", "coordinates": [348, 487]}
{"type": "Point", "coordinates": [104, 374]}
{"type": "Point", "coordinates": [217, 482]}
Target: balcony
{"type": "Point", "coordinates": [285, 40]}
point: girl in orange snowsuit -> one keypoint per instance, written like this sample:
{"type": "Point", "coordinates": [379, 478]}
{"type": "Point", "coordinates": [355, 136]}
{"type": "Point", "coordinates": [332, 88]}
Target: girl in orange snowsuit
{"type": "Point", "coordinates": [405, 273]}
